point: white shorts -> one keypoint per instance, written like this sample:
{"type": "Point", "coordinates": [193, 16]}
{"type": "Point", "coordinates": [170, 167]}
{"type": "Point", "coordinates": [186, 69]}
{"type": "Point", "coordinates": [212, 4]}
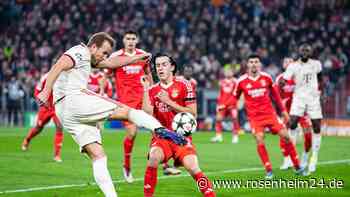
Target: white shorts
{"type": "Point", "coordinates": [81, 113]}
{"type": "Point", "coordinates": [309, 106]}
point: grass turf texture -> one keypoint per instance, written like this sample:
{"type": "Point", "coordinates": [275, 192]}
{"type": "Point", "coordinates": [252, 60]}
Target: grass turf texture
{"type": "Point", "coordinates": [36, 168]}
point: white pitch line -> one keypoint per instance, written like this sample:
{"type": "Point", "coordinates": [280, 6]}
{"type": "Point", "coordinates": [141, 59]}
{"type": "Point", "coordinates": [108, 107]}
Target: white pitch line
{"type": "Point", "coordinates": [161, 177]}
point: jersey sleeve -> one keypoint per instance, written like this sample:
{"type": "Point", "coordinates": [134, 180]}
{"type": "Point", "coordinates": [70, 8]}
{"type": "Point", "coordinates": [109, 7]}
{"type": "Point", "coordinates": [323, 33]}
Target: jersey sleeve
{"type": "Point", "coordinates": [277, 97]}
{"type": "Point", "coordinates": [289, 73]}
{"type": "Point", "coordinates": [318, 67]}
{"type": "Point", "coordinates": [77, 54]}
{"type": "Point", "coordinates": [238, 90]}
{"type": "Point", "coordinates": [151, 97]}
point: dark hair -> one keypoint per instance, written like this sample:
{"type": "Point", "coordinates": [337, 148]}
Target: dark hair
{"type": "Point", "coordinates": [254, 55]}
{"type": "Point", "coordinates": [172, 61]}
{"type": "Point", "coordinates": [130, 32]}
{"type": "Point", "coordinates": [99, 38]}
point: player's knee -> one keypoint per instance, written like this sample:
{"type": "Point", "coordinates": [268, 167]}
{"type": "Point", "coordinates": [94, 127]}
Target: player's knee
{"type": "Point", "coordinates": [120, 113]}
{"type": "Point", "coordinates": [131, 131]}
{"type": "Point", "coordinates": [259, 138]}
{"type": "Point", "coordinates": [155, 157]}
{"type": "Point", "coordinates": [94, 151]}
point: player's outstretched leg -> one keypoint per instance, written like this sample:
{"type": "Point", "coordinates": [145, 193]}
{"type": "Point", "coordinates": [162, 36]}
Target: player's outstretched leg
{"type": "Point", "coordinates": [190, 162]}
{"type": "Point", "coordinates": [316, 144]}
{"type": "Point", "coordinates": [58, 140]}
{"type": "Point", "coordinates": [99, 165]}
{"type": "Point", "coordinates": [156, 155]}
{"type": "Point", "coordinates": [262, 152]}
{"type": "Point", "coordinates": [287, 163]}
{"type": "Point", "coordinates": [31, 134]}
{"type": "Point", "coordinates": [128, 143]}
{"type": "Point", "coordinates": [218, 128]}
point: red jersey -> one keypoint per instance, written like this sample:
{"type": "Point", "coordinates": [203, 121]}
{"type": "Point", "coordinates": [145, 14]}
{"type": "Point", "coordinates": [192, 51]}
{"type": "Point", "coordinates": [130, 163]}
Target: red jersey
{"type": "Point", "coordinates": [180, 91]}
{"type": "Point", "coordinates": [227, 87]}
{"type": "Point", "coordinates": [128, 79]}
{"type": "Point", "coordinates": [40, 86]}
{"type": "Point", "coordinates": [94, 84]}
{"type": "Point", "coordinates": [287, 91]}
{"type": "Point", "coordinates": [257, 92]}
{"type": "Point", "coordinates": [192, 81]}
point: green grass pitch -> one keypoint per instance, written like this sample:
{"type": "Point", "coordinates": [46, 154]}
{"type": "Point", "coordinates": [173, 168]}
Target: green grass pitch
{"type": "Point", "coordinates": [36, 170]}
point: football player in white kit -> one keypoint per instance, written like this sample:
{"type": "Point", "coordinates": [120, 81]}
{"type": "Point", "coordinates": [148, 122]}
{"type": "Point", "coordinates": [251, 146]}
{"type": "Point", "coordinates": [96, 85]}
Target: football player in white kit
{"type": "Point", "coordinates": [306, 73]}
{"type": "Point", "coordinates": [80, 110]}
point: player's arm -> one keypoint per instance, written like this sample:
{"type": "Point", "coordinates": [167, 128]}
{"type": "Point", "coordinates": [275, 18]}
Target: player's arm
{"type": "Point", "coordinates": [190, 108]}
{"type": "Point", "coordinates": [146, 101]}
{"type": "Point", "coordinates": [118, 61]}
{"type": "Point", "coordinates": [278, 100]}
{"type": "Point", "coordinates": [65, 62]}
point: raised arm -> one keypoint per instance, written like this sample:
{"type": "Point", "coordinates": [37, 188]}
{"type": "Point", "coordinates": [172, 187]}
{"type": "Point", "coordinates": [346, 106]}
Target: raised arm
{"type": "Point", "coordinates": [146, 102]}
{"type": "Point", "coordinates": [118, 61]}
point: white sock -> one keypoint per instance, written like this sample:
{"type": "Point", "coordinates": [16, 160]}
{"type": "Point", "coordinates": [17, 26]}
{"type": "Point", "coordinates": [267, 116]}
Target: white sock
{"type": "Point", "coordinates": [103, 178]}
{"type": "Point", "coordinates": [293, 135]}
{"type": "Point", "coordinates": [316, 142]}
{"type": "Point", "coordinates": [142, 119]}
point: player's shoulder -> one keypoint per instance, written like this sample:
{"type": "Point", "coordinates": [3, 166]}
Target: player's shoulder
{"type": "Point", "coordinates": [266, 75]}
{"type": "Point", "coordinates": [154, 87]}
{"type": "Point", "coordinates": [182, 80]}
{"type": "Point", "coordinates": [117, 53]}
{"type": "Point", "coordinates": [242, 78]}
{"type": "Point", "coordinates": [315, 61]}
{"type": "Point", "coordinates": [279, 77]}
{"type": "Point", "coordinates": [44, 77]}
{"type": "Point", "coordinates": [140, 51]}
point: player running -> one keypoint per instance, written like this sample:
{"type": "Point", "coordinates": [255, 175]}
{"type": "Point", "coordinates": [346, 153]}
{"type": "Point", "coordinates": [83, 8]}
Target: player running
{"type": "Point", "coordinates": [227, 106]}
{"type": "Point", "coordinates": [45, 114]}
{"type": "Point", "coordinates": [305, 123]}
{"type": "Point", "coordinates": [307, 75]}
{"type": "Point", "coordinates": [257, 88]}
{"type": "Point", "coordinates": [80, 109]}
{"type": "Point", "coordinates": [164, 100]}
{"type": "Point", "coordinates": [130, 92]}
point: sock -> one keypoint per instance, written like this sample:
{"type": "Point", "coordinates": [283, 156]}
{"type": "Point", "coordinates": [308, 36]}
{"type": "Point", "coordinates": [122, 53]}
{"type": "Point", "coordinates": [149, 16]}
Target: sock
{"type": "Point", "coordinates": [142, 119]}
{"type": "Point", "coordinates": [33, 132]}
{"type": "Point", "coordinates": [316, 143]}
{"type": "Point", "coordinates": [293, 135]}
{"type": "Point", "coordinates": [218, 128]}
{"type": "Point", "coordinates": [293, 154]}
{"type": "Point", "coordinates": [307, 141]}
{"type": "Point", "coordinates": [235, 126]}
{"type": "Point", "coordinates": [204, 185]}
{"type": "Point", "coordinates": [103, 178]}
{"type": "Point", "coordinates": [150, 181]}
{"type": "Point", "coordinates": [58, 142]}
{"type": "Point", "coordinates": [264, 157]}
{"type": "Point", "coordinates": [128, 145]}
{"type": "Point", "coordinates": [283, 148]}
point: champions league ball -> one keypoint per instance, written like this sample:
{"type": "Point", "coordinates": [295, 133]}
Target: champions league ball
{"type": "Point", "coordinates": [184, 124]}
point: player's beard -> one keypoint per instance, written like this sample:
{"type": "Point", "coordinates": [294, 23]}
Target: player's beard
{"type": "Point", "coordinates": [93, 61]}
{"type": "Point", "coordinates": [304, 59]}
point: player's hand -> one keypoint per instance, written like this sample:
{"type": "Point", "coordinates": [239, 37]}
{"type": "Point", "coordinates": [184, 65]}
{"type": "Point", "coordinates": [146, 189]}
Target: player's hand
{"type": "Point", "coordinates": [171, 135]}
{"type": "Point", "coordinates": [145, 82]}
{"type": "Point", "coordinates": [220, 107]}
{"type": "Point", "coordinates": [285, 117]}
{"type": "Point", "coordinates": [164, 97]}
{"type": "Point", "coordinates": [146, 57]}
{"type": "Point", "coordinates": [43, 98]}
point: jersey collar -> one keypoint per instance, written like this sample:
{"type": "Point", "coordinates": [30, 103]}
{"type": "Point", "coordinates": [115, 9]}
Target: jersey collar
{"type": "Point", "coordinates": [130, 54]}
{"type": "Point", "coordinates": [166, 86]}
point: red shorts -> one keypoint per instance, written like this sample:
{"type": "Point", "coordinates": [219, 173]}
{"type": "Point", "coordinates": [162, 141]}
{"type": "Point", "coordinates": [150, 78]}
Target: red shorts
{"type": "Point", "coordinates": [136, 104]}
{"type": "Point", "coordinates": [172, 150]}
{"type": "Point", "coordinates": [228, 111]}
{"type": "Point", "coordinates": [44, 115]}
{"type": "Point", "coordinates": [273, 123]}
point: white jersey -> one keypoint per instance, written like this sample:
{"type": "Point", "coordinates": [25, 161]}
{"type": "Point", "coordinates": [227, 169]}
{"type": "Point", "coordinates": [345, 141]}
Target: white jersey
{"type": "Point", "coordinates": [305, 77]}
{"type": "Point", "coordinates": [75, 79]}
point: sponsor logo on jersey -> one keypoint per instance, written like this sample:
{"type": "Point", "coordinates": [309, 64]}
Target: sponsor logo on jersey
{"type": "Point", "coordinates": [132, 69]}
{"type": "Point", "coordinates": [257, 92]}
{"type": "Point", "coordinates": [249, 86]}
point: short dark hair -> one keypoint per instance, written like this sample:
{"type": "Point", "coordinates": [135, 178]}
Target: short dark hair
{"type": "Point", "coordinates": [130, 32]}
{"type": "Point", "coordinates": [99, 38]}
{"type": "Point", "coordinates": [172, 61]}
{"type": "Point", "coordinates": [254, 55]}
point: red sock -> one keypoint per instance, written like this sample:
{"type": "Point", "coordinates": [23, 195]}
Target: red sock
{"type": "Point", "coordinates": [218, 127]}
{"type": "Point", "coordinates": [283, 147]}
{"type": "Point", "coordinates": [204, 185]}
{"type": "Point", "coordinates": [307, 141]}
{"type": "Point", "coordinates": [58, 142]}
{"type": "Point", "coordinates": [150, 181]}
{"type": "Point", "coordinates": [264, 157]}
{"type": "Point", "coordinates": [33, 132]}
{"type": "Point", "coordinates": [128, 145]}
{"type": "Point", "coordinates": [235, 126]}
{"type": "Point", "coordinates": [293, 154]}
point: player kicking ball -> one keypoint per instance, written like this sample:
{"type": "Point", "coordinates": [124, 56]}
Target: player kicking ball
{"type": "Point", "coordinates": [45, 114]}
{"type": "Point", "coordinates": [227, 106]}
{"type": "Point", "coordinates": [164, 100]}
{"type": "Point", "coordinates": [80, 110]}
{"type": "Point", "coordinates": [307, 75]}
{"type": "Point", "coordinates": [305, 123]}
{"type": "Point", "coordinates": [257, 87]}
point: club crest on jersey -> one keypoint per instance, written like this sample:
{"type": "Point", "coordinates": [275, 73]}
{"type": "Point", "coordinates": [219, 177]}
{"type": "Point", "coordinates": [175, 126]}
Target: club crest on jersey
{"type": "Point", "coordinates": [175, 93]}
{"type": "Point", "coordinates": [249, 86]}
{"type": "Point", "coordinates": [263, 82]}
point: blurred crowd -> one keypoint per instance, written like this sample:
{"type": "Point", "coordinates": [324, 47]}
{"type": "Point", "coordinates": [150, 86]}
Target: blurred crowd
{"type": "Point", "coordinates": [206, 34]}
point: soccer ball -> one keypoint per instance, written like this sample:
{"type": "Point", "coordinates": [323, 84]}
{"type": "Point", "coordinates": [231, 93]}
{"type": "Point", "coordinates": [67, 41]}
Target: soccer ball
{"type": "Point", "coordinates": [184, 124]}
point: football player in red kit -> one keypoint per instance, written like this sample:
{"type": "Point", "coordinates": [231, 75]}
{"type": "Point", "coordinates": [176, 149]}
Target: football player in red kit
{"type": "Point", "coordinates": [45, 114]}
{"type": "Point", "coordinates": [257, 87]}
{"type": "Point", "coordinates": [286, 93]}
{"type": "Point", "coordinates": [227, 106]}
{"type": "Point", "coordinates": [164, 100]}
{"type": "Point", "coordinates": [130, 92]}
{"type": "Point", "coordinates": [99, 83]}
